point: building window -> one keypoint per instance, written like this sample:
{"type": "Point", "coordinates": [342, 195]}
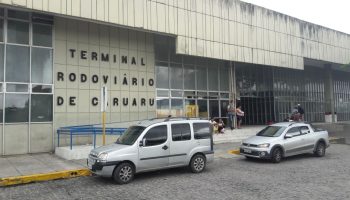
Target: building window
{"type": "Point", "coordinates": [1, 62]}
{"type": "Point", "coordinates": [176, 77]}
{"type": "Point", "coordinates": [189, 77]}
{"type": "Point", "coordinates": [16, 108]}
{"type": "Point", "coordinates": [17, 63]}
{"type": "Point", "coordinates": [1, 107]}
{"type": "Point", "coordinates": [1, 30]}
{"type": "Point", "coordinates": [41, 108]}
{"type": "Point", "coordinates": [18, 32]}
{"type": "Point", "coordinates": [42, 35]}
{"type": "Point", "coordinates": [213, 78]}
{"type": "Point", "coordinates": [27, 74]}
{"type": "Point", "coordinates": [162, 75]}
{"type": "Point", "coordinates": [41, 65]}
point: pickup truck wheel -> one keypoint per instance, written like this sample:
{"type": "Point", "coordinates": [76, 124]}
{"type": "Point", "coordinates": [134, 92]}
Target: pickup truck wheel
{"type": "Point", "coordinates": [320, 150]}
{"type": "Point", "coordinates": [276, 156]}
{"type": "Point", "coordinates": [197, 164]}
{"type": "Point", "coordinates": [123, 173]}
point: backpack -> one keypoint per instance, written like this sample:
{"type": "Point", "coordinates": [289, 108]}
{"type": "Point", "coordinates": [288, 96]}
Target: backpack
{"type": "Point", "coordinates": [301, 110]}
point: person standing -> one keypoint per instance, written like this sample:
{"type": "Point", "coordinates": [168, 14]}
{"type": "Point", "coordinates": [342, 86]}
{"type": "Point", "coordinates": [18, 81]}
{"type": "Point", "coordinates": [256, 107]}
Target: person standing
{"type": "Point", "coordinates": [240, 115]}
{"type": "Point", "coordinates": [230, 113]}
{"type": "Point", "coordinates": [301, 112]}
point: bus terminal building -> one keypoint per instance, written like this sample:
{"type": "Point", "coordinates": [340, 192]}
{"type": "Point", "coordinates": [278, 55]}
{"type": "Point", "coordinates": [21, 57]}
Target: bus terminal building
{"type": "Point", "coordinates": [159, 58]}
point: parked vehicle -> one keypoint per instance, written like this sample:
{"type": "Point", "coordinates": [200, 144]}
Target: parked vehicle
{"type": "Point", "coordinates": [155, 144]}
{"type": "Point", "coordinates": [285, 139]}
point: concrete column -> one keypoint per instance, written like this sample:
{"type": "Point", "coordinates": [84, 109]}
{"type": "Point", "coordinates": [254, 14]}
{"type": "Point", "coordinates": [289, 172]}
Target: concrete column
{"type": "Point", "coordinates": [329, 91]}
{"type": "Point", "coordinates": [233, 95]}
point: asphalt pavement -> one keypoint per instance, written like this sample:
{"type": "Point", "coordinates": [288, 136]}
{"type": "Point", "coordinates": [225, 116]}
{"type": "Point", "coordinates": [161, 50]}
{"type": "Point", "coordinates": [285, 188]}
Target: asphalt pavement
{"type": "Point", "coordinates": [229, 177]}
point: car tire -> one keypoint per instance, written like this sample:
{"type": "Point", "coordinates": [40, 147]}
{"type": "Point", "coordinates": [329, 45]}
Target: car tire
{"type": "Point", "coordinates": [198, 163]}
{"type": "Point", "coordinates": [124, 173]}
{"type": "Point", "coordinates": [276, 155]}
{"type": "Point", "coordinates": [320, 150]}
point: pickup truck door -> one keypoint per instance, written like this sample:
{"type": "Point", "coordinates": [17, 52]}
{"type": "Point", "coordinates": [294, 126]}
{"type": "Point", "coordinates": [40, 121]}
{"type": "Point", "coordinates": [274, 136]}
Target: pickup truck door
{"type": "Point", "coordinates": [308, 138]}
{"type": "Point", "coordinates": [292, 146]}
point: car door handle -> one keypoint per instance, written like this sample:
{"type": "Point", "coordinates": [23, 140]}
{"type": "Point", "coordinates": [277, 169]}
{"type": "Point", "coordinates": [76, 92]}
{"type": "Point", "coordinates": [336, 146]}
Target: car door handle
{"type": "Point", "coordinates": [165, 147]}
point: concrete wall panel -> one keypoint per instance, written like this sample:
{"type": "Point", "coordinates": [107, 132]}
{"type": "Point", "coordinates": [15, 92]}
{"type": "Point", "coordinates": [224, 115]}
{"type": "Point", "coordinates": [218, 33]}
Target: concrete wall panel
{"type": "Point", "coordinates": [16, 139]}
{"type": "Point", "coordinates": [41, 138]}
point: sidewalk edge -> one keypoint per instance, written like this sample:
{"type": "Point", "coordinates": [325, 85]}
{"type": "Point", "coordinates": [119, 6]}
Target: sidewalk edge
{"type": "Point", "coordinates": [17, 180]}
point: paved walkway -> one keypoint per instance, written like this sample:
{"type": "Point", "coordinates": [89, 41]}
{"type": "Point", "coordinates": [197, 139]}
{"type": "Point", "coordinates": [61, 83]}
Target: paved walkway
{"type": "Point", "coordinates": [28, 164]}
{"type": "Point", "coordinates": [236, 135]}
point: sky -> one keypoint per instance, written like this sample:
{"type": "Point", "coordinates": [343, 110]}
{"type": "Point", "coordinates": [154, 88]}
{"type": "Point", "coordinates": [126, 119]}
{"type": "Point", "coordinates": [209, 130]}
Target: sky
{"type": "Point", "coordinates": [334, 14]}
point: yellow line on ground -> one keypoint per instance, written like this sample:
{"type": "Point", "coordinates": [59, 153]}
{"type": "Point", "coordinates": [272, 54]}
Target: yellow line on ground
{"type": "Point", "coordinates": [234, 151]}
{"type": "Point", "coordinates": [44, 177]}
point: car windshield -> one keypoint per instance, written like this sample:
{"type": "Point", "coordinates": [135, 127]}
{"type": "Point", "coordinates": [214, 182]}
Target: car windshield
{"type": "Point", "coordinates": [130, 135]}
{"type": "Point", "coordinates": [271, 131]}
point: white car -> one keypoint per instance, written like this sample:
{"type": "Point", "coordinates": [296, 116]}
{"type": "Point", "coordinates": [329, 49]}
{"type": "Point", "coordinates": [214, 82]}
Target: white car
{"type": "Point", "coordinates": [155, 144]}
{"type": "Point", "coordinates": [285, 139]}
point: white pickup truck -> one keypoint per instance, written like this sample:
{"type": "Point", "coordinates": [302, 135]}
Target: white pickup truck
{"type": "Point", "coordinates": [285, 139]}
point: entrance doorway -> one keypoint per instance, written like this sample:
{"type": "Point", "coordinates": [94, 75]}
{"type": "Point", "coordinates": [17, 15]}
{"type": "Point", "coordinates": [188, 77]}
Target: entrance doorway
{"type": "Point", "coordinates": [257, 110]}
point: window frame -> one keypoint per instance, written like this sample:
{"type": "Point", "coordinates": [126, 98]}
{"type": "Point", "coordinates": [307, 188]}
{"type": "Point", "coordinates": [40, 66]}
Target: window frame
{"type": "Point", "coordinates": [295, 127]}
{"type": "Point", "coordinates": [30, 45]}
{"type": "Point", "coordinates": [181, 133]}
{"type": "Point", "coordinates": [207, 136]}
{"type": "Point", "coordinates": [147, 132]}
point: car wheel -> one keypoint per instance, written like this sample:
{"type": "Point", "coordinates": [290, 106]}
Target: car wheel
{"type": "Point", "coordinates": [124, 173]}
{"type": "Point", "coordinates": [320, 150]}
{"type": "Point", "coordinates": [276, 156]}
{"type": "Point", "coordinates": [197, 164]}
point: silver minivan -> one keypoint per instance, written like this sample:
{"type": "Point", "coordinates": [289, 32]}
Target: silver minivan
{"type": "Point", "coordinates": [155, 144]}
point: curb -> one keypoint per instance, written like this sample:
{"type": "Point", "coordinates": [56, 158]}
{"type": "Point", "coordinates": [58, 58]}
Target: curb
{"type": "Point", "coordinates": [335, 140]}
{"type": "Point", "coordinates": [234, 151]}
{"type": "Point", "coordinates": [17, 180]}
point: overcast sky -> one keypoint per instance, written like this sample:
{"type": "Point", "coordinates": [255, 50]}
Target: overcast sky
{"type": "Point", "coordinates": [334, 14]}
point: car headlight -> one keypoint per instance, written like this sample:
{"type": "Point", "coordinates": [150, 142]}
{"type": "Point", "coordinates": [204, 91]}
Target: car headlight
{"type": "Point", "coordinates": [103, 157]}
{"type": "Point", "coordinates": [263, 145]}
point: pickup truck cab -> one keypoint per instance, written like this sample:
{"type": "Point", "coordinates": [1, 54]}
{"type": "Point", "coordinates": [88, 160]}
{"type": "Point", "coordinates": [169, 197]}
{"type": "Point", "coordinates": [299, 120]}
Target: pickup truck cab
{"type": "Point", "coordinates": [155, 144]}
{"type": "Point", "coordinates": [285, 139]}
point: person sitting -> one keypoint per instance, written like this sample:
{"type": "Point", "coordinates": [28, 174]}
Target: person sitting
{"type": "Point", "coordinates": [221, 126]}
{"type": "Point", "coordinates": [215, 125]}
{"type": "Point", "coordinates": [295, 116]}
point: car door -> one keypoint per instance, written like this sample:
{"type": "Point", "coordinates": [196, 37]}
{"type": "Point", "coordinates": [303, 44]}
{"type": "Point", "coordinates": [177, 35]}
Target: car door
{"type": "Point", "coordinates": [307, 139]}
{"type": "Point", "coordinates": [181, 143]}
{"type": "Point", "coordinates": [292, 145]}
{"type": "Point", "coordinates": [154, 149]}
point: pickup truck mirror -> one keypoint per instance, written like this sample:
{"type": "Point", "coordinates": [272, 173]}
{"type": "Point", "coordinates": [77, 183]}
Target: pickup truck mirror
{"type": "Point", "coordinates": [288, 136]}
{"type": "Point", "coordinates": [303, 132]}
{"type": "Point", "coordinates": [142, 142]}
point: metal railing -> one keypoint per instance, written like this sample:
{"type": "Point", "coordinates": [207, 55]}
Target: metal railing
{"type": "Point", "coordinates": [86, 130]}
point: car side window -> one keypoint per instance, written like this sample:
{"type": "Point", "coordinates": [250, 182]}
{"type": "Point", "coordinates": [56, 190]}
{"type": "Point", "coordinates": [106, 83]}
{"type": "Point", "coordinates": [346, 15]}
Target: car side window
{"type": "Point", "coordinates": [304, 130]}
{"type": "Point", "coordinates": [295, 131]}
{"type": "Point", "coordinates": [156, 135]}
{"type": "Point", "coordinates": [202, 130]}
{"type": "Point", "coordinates": [181, 132]}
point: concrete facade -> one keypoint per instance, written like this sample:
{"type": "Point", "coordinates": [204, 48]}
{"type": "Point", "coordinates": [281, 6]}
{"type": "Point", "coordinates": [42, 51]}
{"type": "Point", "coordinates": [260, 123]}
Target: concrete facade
{"type": "Point", "coordinates": [111, 43]}
{"type": "Point", "coordinates": [89, 56]}
{"type": "Point", "coordinates": [222, 29]}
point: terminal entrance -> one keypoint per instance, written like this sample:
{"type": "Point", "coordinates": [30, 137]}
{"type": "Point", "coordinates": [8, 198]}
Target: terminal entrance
{"type": "Point", "coordinates": [257, 110]}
